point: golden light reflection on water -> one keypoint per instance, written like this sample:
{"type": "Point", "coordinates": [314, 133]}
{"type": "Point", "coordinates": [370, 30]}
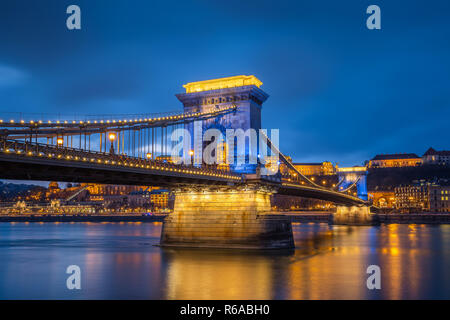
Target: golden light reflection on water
{"type": "Point", "coordinates": [119, 261]}
{"type": "Point", "coordinates": [329, 262]}
{"type": "Point", "coordinates": [194, 274]}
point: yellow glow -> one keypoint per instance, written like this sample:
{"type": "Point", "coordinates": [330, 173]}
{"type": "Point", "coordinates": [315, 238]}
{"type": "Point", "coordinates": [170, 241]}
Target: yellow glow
{"type": "Point", "coordinates": [352, 169]}
{"type": "Point", "coordinates": [112, 136]}
{"type": "Point", "coordinates": [221, 83]}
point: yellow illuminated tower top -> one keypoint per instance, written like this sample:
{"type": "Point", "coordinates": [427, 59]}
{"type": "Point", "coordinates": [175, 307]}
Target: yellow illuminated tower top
{"type": "Point", "coordinates": [222, 83]}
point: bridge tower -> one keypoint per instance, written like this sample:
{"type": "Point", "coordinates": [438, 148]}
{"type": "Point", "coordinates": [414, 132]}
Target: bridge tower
{"type": "Point", "coordinates": [242, 91]}
{"type": "Point", "coordinates": [353, 176]}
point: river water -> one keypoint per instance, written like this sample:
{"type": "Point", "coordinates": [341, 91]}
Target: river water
{"type": "Point", "coordinates": [120, 261]}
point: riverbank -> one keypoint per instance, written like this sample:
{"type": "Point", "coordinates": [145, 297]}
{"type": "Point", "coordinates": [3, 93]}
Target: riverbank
{"type": "Point", "coordinates": [305, 217]}
{"type": "Point", "coordinates": [422, 218]}
{"type": "Point", "coordinates": [83, 218]}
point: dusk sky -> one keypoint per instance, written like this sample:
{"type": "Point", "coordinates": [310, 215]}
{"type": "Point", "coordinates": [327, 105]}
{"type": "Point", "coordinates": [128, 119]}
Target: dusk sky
{"type": "Point", "coordinates": [338, 91]}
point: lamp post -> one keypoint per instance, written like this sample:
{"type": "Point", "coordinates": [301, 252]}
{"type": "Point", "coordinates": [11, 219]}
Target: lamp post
{"type": "Point", "coordinates": [191, 153]}
{"type": "Point", "coordinates": [149, 156]}
{"type": "Point", "coordinates": [112, 137]}
{"type": "Point", "coordinates": [59, 141]}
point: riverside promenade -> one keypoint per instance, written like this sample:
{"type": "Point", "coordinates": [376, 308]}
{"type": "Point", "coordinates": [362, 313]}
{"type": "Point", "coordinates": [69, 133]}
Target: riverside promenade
{"type": "Point", "coordinates": [296, 217]}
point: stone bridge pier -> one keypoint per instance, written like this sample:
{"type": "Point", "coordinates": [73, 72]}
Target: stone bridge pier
{"type": "Point", "coordinates": [226, 217]}
{"type": "Point", "coordinates": [354, 215]}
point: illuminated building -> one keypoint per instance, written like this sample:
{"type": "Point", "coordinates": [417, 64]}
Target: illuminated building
{"type": "Point", "coordinates": [412, 197]}
{"type": "Point", "coordinates": [382, 199]}
{"type": "Point", "coordinates": [395, 160]}
{"type": "Point", "coordinates": [432, 156]}
{"type": "Point", "coordinates": [168, 159]}
{"type": "Point", "coordinates": [53, 187]}
{"type": "Point", "coordinates": [319, 168]}
{"type": "Point", "coordinates": [439, 198]}
{"type": "Point", "coordinates": [97, 192]}
{"type": "Point", "coordinates": [160, 198]}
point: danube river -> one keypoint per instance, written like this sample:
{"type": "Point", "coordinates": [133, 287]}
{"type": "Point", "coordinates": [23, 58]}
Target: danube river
{"type": "Point", "coordinates": [120, 261]}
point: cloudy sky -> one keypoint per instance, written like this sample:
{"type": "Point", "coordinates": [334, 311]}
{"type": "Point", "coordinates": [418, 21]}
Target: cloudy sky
{"type": "Point", "coordinates": [338, 91]}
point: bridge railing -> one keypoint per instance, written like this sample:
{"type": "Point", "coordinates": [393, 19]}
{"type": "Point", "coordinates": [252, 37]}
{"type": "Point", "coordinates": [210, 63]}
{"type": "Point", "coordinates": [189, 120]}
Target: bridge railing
{"type": "Point", "coordinates": [45, 117]}
{"type": "Point", "coordinates": [29, 149]}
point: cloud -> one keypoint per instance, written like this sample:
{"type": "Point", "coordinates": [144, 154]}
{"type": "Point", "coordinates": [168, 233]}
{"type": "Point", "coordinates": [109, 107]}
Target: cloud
{"type": "Point", "coordinates": [10, 76]}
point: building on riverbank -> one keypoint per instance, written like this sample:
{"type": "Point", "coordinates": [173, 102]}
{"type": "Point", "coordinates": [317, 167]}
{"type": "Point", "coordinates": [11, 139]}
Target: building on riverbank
{"type": "Point", "coordinates": [439, 198]}
{"type": "Point", "coordinates": [425, 197]}
{"type": "Point", "coordinates": [395, 160]}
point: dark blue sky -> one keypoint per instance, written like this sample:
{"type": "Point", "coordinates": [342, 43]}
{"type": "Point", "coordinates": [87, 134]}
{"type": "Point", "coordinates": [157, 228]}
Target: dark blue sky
{"type": "Point", "coordinates": [338, 91]}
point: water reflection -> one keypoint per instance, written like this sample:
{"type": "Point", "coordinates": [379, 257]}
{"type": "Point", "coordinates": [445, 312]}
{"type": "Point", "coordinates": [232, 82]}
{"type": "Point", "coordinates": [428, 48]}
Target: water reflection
{"type": "Point", "coordinates": [120, 261]}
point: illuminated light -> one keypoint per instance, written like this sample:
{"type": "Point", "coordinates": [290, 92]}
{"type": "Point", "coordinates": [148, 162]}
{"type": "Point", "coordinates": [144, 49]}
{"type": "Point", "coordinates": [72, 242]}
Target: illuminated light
{"type": "Point", "coordinates": [89, 122]}
{"type": "Point", "coordinates": [59, 141]}
{"type": "Point", "coordinates": [107, 121]}
{"type": "Point", "coordinates": [352, 169]}
{"type": "Point", "coordinates": [95, 121]}
{"type": "Point", "coordinates": [12, 121]}
{"type": "Point", "coordinates": [149, 155]}
{"type": "Point", "coordinates": [49, 121]}
{"type": "Point", "coordinates": [30, 121]}
{"type": "Point", "coordinates": [57, 121]}
{"type": "Point", "coordinates": [74, 121]}
{"type": "Point", "coordinates": [1, 121]}
{"type": "Point", "coordinates": [191, 152]}
{"type": "Point", "coordinates": [81, 122]}
{"type": "Point", "coordinates": [65, 121]}
{"type": "Point", "coordinates": [112, 136]}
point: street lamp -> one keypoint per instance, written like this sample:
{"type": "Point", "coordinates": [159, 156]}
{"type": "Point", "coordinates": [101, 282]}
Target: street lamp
{"type": "Point", "coordinates": [59, 141]}
{"type": "Point", "coordinates": [149, 155]}
{"type": "Point", "coordinates": [112, 137]}
{"type": "Point", "coordinates": [191, 153]}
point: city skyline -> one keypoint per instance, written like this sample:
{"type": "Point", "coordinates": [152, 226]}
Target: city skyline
{"type": "Point", "coordinates": [334, 86]}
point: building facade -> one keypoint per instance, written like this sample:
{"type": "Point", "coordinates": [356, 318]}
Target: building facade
{"type": "Point", "coordinates": [412, 197]}
{"type": "Point", "coordinates": [439, 198]}
{"type": "Point", "coordinates": [382, 199]}
{"type": "Point", "coordinates": [432, 156]}
{"type": "Point", "coordinates": [395, 160]}
{"type": "Point", "coordinates": [318, 168]}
